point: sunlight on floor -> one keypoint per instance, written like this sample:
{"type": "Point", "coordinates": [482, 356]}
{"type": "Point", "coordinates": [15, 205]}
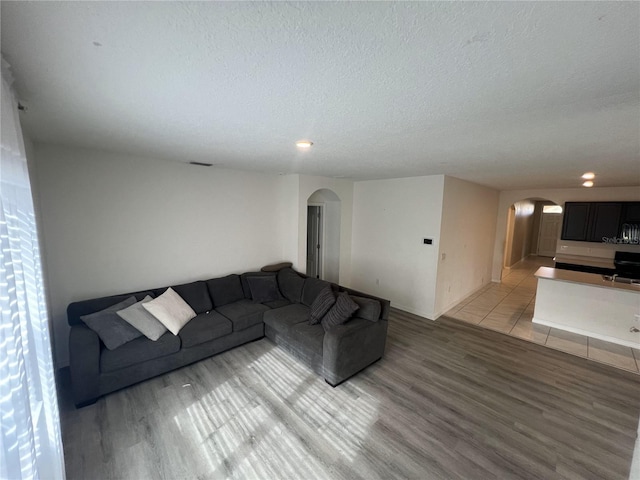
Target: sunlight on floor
{"type": "Point", "coordinates": [236, 432]}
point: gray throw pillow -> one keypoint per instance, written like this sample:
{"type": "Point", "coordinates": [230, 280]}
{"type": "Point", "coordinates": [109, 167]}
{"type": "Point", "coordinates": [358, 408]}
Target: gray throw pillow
{"type": "Point", "coordinates": [321, 305]}
{"type": "Point", "coordinates": [264, 288]}
{"type": "Point", "coordinates": [143, 321]}
{"type": "Point", "coordinates": [112, 330]}
{"type": "Point", "coordinates": [340, 312]}
{"type": "Point", "coordinates": [369, 308]}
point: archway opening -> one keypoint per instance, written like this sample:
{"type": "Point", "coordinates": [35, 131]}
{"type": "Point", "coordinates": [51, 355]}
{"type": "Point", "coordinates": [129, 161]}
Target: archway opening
{"type": "Point", "coordinates": [323, 235]}
{"type": "Point", "coordinates": [533, 229]}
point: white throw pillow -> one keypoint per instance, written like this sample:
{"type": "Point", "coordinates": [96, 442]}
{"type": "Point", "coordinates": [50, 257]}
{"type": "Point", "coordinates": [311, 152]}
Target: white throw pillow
{"type": "Point", "coordinates": [138, 317]}
{"type": "Point", "coordinates": [171, 310]}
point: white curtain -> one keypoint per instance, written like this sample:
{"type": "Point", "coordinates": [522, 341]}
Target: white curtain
{"type": "Point", "coordinates": [30, 442]}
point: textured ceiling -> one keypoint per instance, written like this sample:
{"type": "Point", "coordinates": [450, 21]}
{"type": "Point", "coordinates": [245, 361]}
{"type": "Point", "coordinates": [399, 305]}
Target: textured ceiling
{"type": "Point", "coordinates": [508, 94]}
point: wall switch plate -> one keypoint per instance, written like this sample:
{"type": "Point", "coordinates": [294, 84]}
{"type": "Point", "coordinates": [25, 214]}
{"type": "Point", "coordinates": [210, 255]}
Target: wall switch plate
{"type": "Point", "coordinates": [427, 241]}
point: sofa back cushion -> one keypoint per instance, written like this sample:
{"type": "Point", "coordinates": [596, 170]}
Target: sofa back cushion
{"type": "Point", "coordinates": [195, 294]}
{"type": "Point", "coordinates": [264, 288]}
{"type": "Point", "coordinates": [311, 289]}
{"type": "Point", "coordinates": [290, 284]}
{"type": "Point", "coordinates": [369, 309]}
{"type": "Point", "coordinates": [77, 309]}
{"type": "Point", "coordinates": [225, 290]}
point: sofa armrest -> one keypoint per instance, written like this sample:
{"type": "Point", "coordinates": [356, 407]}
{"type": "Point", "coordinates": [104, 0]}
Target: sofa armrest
{"type": "Point", "coordinates": [349, 348]}
{"type": "Point", "coordinates": [84, 364]}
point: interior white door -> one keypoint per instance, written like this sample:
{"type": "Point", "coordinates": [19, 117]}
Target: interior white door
{"type": "Point", "coordinates": [548, 236]}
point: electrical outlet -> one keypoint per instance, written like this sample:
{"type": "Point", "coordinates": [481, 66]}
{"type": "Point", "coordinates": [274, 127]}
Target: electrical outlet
{"type": "Point", "coordinates": [377, 281]}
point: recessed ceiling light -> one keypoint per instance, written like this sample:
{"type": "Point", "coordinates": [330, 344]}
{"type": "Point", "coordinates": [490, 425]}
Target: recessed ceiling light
{"type": "Point", "coordinates": [588, 183]}
{"type": "Point", "coordinates": [589, 176]}
{"type": "Point", "coordinates": [304, 144]}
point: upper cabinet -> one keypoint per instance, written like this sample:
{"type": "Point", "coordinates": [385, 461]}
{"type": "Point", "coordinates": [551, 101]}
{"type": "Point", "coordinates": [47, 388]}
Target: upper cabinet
{"type": "Point", "coordinates": [597, 221]}
{"type": "Point", "coordinates": [576, 221]}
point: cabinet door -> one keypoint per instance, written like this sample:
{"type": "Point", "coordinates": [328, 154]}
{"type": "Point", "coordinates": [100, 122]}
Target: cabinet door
{"type": "Point", "coordinates": [631, 212]}
{"type": "Point", "coordinates": [576, 221]}
{"type": "Point", "coordinates": [606, 220]}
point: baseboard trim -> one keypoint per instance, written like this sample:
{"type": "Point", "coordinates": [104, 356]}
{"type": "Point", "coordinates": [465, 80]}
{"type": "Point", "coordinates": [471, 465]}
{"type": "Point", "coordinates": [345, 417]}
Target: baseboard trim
{"type": "Point", "coordinates": [586, 333]}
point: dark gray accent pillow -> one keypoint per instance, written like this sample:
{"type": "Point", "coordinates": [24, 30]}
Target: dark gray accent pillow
{"type": "Point", "coordinates": [290, 284]}
{"type": "Point", "coordinates": [225, 290]}
{"type": "Point", "coordinates": [340, 312]}
{"type": "Point", "coordinates": [264, 288]}
{"type": "Point", "coordinates": [276, 267]}
{"type": "Point", "coordinates": [369, 308]}
{"type": "Point", "coordinates": [112, 330]}
{"type": "Point", "coordinates": [321, 305]}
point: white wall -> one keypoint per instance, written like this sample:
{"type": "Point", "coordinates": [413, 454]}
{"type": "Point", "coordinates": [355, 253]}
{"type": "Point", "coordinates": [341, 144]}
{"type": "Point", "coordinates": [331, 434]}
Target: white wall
{"type": "Point", "coordinates": [558, 196]}
{"type": "Point", "coordinates": [466, 241]}
{"type": "Point", "coordinates": [389, 259]}
{"type": "Point", "coordinates": [113, 224]}
{"type": "Point", "coordinates": [522, 231]}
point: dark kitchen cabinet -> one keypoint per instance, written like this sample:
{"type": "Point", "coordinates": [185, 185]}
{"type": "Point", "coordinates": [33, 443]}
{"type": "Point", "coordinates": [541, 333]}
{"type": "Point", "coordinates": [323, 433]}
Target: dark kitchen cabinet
{"type": "Point", "coordinates": [605, 221]}
{"type": "Point", "coordinates": [631, 212]}
{"type": "Point", "coordinates": [597, 221]}
{"type": "Point", "coordinates": [575, 223]}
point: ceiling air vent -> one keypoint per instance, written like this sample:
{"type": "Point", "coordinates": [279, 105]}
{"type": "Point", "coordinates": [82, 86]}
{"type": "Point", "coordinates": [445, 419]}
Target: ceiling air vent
{"type": "Point", "coordinates": [202, 164]}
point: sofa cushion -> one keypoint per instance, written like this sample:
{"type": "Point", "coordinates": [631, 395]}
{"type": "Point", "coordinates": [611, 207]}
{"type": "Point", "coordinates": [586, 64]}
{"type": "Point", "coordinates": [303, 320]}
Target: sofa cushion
{"type": "Point", "coordinates": [264, 288]}
{"type": "Point", "coordinates": [112, 330]}
{"type": "Point", "coordinates": [143, 321]}
{"type": "Point", "coordinates": [321, 305]}
{"type": "Point", "coordinates": [139, 350]}
{"type": "Point", "coordinates": [205, 327]}
{"type": "Point", "coordinates": [276, 266]}
{"type": "Point", "coordinates": [282, 319]}
{"type": "Point", "coordinates": [283, 302]}
{"type": "Point", "coordinates": [243, 314]}
{"type": "Point", "coordinates": [196, 295]}
{"type": "Point", "coordinates": [368, 308]}
{"type": "Point", "coordinates": [340, 312]}
{"type": "Point", "coordinates": [245, 284]}
{"type": "Point", "coordinates": [225, 290]}
{"type": "Point", "coordinates": [290, 284]}
{"type": "Point", "coordinates": [171, 309]}
{"type": "Point", "coordinates": [311, 289]}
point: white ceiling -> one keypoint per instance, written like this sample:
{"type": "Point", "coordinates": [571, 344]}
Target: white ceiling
{"type": "Point", "coordinates": [509, 94]}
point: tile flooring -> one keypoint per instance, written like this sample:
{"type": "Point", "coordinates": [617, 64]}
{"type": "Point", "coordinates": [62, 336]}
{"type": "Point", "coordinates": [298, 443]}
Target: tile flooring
{"type": "Point", "coordinates": [507, 307]}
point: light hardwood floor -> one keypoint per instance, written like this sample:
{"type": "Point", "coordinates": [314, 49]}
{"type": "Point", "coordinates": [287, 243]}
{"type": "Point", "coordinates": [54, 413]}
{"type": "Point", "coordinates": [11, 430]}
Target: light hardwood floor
{"type": "Point", "coordinates": [508, 307]}
{"type": "Point", "coordinates": [448, 400]}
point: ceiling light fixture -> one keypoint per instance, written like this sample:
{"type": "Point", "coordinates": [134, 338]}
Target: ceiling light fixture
{"type": "Point", "coordinates": [589, 176]}
{"type": "Point", "coordinates": [588, 183]}
{"type": "Point", "coordinates": [304, 144]}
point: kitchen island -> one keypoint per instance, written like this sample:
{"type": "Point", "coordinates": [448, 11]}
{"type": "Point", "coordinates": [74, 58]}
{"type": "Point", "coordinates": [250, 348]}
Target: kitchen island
{"type": "Point", "coordinates": [588, 304]}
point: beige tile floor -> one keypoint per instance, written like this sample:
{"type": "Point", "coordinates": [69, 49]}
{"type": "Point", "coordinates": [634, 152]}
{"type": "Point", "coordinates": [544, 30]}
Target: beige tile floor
{"type": "Point", "coordinates": [508, 308]}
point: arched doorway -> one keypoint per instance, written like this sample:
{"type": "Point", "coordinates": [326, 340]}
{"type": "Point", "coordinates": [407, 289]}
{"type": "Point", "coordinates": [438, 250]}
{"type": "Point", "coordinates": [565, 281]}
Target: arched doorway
{"type": "Point", "coordinates": [533, 228]}
{"type": "Point", "coordinates": [323, 235]}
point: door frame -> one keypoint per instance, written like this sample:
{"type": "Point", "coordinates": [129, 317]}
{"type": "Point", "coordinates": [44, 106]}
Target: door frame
{"type": "Point", "coordinates": [321, 237]}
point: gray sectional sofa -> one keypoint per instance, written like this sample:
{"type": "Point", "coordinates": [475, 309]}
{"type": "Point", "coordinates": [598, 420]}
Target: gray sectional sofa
{"type": "Point", "coordinates": [228, 314]}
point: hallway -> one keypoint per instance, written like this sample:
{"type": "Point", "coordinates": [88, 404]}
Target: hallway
{"type": "Point", "coordinates": [508, 307]}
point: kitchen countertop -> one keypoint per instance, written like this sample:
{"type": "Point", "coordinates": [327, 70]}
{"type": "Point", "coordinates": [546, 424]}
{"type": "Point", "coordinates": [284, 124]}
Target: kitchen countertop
{"type": "Point", "coordinates": [597, 280]}
{"type": "Point", "coordinates": [584, 260]}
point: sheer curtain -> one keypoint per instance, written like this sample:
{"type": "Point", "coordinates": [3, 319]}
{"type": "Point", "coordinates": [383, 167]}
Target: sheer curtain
{"type": "Point", "coordinates": [30, 442]}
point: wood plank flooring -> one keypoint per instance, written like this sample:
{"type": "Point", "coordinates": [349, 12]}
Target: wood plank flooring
{"type": "Point", "coordinates": [449, 400]}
